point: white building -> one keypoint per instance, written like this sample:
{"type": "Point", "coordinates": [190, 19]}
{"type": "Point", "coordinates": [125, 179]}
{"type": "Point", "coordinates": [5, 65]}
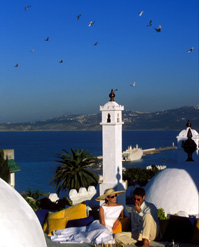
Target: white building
{"type": "Point", "coordinates": [176, 189]}
{"type": "Point", "coordinates": [14, 167]}
{"type": "Point", "coordinates": [19, 225]}
{"type": "Point", "coordinates": [182, 136]}
{"type": "Point", "coordinates": [112, 147]}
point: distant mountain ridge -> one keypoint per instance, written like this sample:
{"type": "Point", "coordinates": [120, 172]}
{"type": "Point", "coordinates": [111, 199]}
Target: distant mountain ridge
{"type": "Point", "coordinates": [174, 119]}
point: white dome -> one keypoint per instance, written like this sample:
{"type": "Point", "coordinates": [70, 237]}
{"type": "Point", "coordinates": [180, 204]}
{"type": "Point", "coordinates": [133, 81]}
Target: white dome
{"type": "Point", "coordinates": [19, 225]}
{"type": "Point", "coordinates": [112, 106]}
{"type": "Point", "coordinates": [184, 133]}
{"type": "Point", "coordinates": [175, 189]}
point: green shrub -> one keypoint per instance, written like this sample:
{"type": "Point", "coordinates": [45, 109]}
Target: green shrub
{"type": "Point", "coordinates": [32, 198]}
{"type": "Point", "coordinates": [161, 214]}
{"type": "Point", "coordinates": [4, 167]}
{"type": "Point", "coordinates": [33, 203]}
{"type": "Point", "coordinates": [139, 176]}
{"type": "Point", "coordinates": [34, 193]}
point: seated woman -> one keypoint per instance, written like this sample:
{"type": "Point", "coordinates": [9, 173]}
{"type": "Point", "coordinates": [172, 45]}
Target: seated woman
{"type": "Point", "coordinates": [98, 231]}
{"type": "Point", "coordinates": [110, 212]}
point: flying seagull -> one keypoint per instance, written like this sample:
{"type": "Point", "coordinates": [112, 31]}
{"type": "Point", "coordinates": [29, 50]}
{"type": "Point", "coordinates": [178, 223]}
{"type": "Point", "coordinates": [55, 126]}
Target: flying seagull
{"type": "Point", "coordinates": [27, 7]}
{"type": "Point", "coordinates": [133, 85]}
{"type": "Point", "coordinates": [79, 16]}
{"type": "Point", "coordinates": [61, 61]}
{"type": "Point", "coordinates": [116, 90]}
{"type": "Point", "coordinates": [141, 12]}
{"type": "Point", "coordinates": [17, 65]}
{"type": "Point", "coordinates": [47, 39]}
{"type": "Point", "coordinates": [158, 29]}
{"type": "Point", "coordinates": [91, 23]}
{"type": "Point", "coordinates": [150, 23]}
{"type": "Point", "coordinates": [95, 43]}
{"type": "Point", "coordinates": [190, 50]}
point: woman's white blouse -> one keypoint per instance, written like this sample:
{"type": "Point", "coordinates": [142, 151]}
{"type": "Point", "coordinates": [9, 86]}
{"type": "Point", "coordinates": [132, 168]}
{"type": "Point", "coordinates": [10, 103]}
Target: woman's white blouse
{"type": "Point", "coordinates": [111, 214]}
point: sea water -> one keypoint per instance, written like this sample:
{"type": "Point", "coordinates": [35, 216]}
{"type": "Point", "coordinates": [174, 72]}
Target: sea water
{"type": "Point", "coordinates": [35, 152]}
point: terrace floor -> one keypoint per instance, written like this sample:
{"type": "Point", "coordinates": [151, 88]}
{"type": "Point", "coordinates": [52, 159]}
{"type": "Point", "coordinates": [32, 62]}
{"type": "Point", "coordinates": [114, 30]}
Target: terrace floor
{"type": "Point", "coordinates": [153, 244]}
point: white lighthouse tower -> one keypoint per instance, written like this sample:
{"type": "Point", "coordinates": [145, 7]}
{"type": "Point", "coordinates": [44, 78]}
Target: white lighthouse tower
{"type": "Point", "coordinates": [112, 147]}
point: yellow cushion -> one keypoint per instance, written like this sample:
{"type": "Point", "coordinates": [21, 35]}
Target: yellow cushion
{"type": "Point", "coordinates": [72, 213]}
{"type": "Point", "coordinates": [118, 228]}
{"type": "Point", "coordinates": [56, 215]}
{"type": "Point", "coordinates": [195, 237]}
{"type": "Point", "coordinates": [56, 224]}
{"type": "Point", "coordinates": [76, 212]}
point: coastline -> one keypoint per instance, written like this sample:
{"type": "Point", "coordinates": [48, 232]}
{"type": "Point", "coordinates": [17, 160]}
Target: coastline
{"type": "Point", "coordinates": [35, 152]}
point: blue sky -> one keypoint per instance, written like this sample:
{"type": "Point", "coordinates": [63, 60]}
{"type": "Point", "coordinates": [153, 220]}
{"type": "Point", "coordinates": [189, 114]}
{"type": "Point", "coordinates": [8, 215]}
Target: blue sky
{"type": "Point", "coordinates": [166, 75]}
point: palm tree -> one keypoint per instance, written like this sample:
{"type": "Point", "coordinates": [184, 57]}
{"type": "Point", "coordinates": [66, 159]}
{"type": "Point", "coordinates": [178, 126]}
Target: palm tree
{"type": "Point", "coordinates": [74, 172]}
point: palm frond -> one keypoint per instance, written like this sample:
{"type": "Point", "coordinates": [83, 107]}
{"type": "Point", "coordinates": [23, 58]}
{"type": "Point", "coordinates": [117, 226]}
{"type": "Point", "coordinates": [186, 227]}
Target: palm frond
{"type": "Point", "coordinates": [73, 170]}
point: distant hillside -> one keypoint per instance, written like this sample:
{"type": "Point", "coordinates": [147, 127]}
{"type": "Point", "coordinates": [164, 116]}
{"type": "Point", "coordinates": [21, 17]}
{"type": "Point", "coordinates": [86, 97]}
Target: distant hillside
{"type": "Point", "coordinates": [174, 119]}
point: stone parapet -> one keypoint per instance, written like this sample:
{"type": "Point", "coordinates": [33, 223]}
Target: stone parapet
{"type": "Point", "coordinates": [83, 194]}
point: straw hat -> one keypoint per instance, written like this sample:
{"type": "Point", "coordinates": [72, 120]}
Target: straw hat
{"type": "Point", "coordinates": [109, 192]}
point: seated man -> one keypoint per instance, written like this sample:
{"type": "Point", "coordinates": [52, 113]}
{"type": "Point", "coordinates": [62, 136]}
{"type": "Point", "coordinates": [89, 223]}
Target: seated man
{"type": "Point", "coordinates": [144, 222]}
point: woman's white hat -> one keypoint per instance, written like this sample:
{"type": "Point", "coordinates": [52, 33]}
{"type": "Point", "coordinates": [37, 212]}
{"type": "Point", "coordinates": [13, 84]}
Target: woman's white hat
{"type": "Point", "coordinates": [109, 192]}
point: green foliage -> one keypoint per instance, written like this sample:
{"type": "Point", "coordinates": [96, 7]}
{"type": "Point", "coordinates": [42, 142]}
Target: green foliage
{"type": "Point", "coordinates": [4, 168]}
{"type": "Point", "coordinates": [161, 214]}
{"type": "Point", "coordinates": [35, 194]}
{"type": "Point", "coordinates": [73, 170]}
{"type": "Point", "coordinates": [139, 176]}
{"type": "Point", "coordinates": [33, 203]}
{"type": "Point", "coordinates": [32, 196]}
{"type": "Point", "coordinates": [69, 202]}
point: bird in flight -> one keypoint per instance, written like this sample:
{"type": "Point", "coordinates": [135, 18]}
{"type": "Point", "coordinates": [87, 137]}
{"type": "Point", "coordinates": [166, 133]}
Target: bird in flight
{"type": "Point", "coordinates": [79, 16]}
{"type": "Point", "coordinates": [17, 65]}
{"type": "Point", "coordinates": [190, 50]}
{"type": "Point", "coordinates": [47, 39]}
{"type": "Point", "coordinates": [32, 50]}
{"type": "Point", "coordinates": [27, 7]}
{"type": "Point", "coordinates": [150, 23]}
{"type": "Point", "coordinates": [158, 29]}
{"type": "Point", "coordinates": [95, 43]}
{"type": "Point", "coordinates": [91, 23]}
{"type": "Point", "coordinates": [133, 84]}
{"type": "Point", "coordinates": [61, 61]}
{"type": "Point", "coordinates": [141, 12]}
{"type": "Point", "coordinates": [116, 90]}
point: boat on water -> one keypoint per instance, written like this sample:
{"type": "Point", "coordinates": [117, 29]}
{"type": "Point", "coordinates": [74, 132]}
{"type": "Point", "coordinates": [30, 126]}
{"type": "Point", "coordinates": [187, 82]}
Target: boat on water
{"type": "Point", "coordinates": [132, 154]}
